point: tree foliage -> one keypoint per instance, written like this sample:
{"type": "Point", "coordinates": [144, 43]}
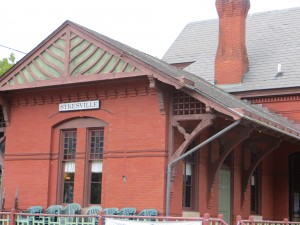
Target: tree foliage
{"type": "Point", "coordinates": [7, 63]}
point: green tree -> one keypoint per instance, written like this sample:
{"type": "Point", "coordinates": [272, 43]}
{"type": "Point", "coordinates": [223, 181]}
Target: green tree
{"type": "Point", "coordinates": [7, 63]}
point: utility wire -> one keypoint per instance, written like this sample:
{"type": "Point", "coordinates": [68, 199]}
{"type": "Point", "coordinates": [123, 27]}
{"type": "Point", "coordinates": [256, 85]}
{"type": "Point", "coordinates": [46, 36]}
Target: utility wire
{"type": "Point", "coordinates": [13, 49]}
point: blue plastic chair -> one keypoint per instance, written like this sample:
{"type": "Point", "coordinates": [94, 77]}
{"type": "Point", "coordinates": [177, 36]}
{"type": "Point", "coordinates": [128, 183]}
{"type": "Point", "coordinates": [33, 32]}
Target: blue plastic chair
{"type": "Point", "coordinates": [127, 212]}
{"type": "Point", "coordinates": [28, 220]}
{"type": "Point", "coordinates": [70, 209]}
{"type": "Point", "coordinates": [110, 211]}
{"type": "Point", "coordinates": [93, 211]}
{"type": "Point", "coordinates": [148, 212]}
{"type": "Point", "coordinates": [53, 209]}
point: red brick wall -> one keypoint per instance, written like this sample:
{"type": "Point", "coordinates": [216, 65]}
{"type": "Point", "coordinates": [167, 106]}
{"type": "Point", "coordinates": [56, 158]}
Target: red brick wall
{"type": "Point", "coordinates": [135, 141]}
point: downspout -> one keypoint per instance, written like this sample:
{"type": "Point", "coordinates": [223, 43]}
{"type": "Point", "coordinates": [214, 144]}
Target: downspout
{"type": "Point", "coordinates": [171, 164]}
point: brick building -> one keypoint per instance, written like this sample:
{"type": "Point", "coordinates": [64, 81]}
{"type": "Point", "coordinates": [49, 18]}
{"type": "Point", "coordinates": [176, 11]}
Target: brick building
{"type": "Point", "coordinates": [87, 119]}
{"type": "Point", "coordinates": [256, 59]}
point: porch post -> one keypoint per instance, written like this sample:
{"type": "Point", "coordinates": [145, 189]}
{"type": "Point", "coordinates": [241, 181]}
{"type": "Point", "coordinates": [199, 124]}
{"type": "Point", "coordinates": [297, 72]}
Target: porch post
{"type": "Point", "coordinates": [12, 216]}
{"type": "Point", "coordinates": [100, 218]}
{"type": "Point", "coordinates": [251, 219]}
{"type": "Point", "coordinates": [206, 219]}
{"type": "Point", "coordinates": [238, 220]}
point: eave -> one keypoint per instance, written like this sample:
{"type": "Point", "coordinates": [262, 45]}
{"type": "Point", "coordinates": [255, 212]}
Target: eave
{"type": "Point", "coordinates": [65, 80]}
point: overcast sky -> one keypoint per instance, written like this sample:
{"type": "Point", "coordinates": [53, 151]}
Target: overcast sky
{"type": "Point", "coordinates": [147, 25]}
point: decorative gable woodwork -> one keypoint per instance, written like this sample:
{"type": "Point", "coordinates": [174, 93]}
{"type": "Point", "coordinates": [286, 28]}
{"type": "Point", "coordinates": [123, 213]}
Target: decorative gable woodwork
{"type": "Point", "coordinates": [87, 58]}
{"type": "Point", "coordinates": [72, 54]}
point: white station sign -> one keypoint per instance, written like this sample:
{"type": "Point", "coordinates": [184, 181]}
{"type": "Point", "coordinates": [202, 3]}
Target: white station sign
{"type": "Point", "coordinates": [72, 106]}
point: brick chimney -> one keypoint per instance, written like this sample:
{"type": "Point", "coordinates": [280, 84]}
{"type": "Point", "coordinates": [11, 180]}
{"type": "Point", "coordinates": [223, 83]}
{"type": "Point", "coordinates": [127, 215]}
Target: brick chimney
{"type": "Point", "coordinates": [231, 61]}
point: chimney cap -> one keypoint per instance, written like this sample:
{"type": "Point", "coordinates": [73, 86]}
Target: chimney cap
{"type": "Point", "coordinates": [232, 7]}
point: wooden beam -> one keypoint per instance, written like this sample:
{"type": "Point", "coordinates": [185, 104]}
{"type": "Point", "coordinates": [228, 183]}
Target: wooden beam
{"type": "Point", "coordinates": [74, 80]}
{"type": "Point", "coordinates": [241, 134]}
{"type": "Point", "coordinates": [206, 116]}
{"type": "Point", "coordinates": [6, 108]}
{"type": "Point", "coordinates": [247, 173]}
{"type": "Point", "coordinates": [203, 124]}
{"type": "Point", "coordinates": [153, 84]}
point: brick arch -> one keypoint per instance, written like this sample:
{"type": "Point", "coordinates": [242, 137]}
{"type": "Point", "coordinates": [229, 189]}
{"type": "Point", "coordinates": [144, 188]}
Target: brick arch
{"type": "Point", "coordinates": [80, 122]}
{"type": "Point", "coordinates": [102, 115]}
{"type": "Point", "coordinates": [70, 122]}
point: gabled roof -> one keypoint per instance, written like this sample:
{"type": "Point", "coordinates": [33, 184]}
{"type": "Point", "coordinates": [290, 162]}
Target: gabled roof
{"type": "Point", "coordinates": [272, 38]}
{"type": "Point", "coordinates": [188, 82]}
{"type": "Point", "coordinates": [68, 56]}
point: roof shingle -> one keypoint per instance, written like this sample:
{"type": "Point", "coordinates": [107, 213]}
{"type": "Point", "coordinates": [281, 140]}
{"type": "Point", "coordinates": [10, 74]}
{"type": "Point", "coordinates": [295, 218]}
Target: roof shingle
{"type": "Point", "coordinates": [272, 38]}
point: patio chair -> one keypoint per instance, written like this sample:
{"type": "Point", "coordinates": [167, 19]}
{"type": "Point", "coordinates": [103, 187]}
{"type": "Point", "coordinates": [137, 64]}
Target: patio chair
{"type": "Point", "coordinates": [53, 209]}
{"type": "Point", "coordinates": [28, 220]}
{"type": "Point", "coordinates": [70, 209]}
{"type": "Point", "coordinates": [148, 212]}
{"type": "Point", "coordinates": [110, 211]}
{"type": "Point", "coordinates": [127, 212]}
{"type": "Point", "coordinates": [93, 211]}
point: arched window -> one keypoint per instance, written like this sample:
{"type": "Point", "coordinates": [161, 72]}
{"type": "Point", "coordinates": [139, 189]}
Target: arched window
{"type": "Point", "coordinates": [92, 134]}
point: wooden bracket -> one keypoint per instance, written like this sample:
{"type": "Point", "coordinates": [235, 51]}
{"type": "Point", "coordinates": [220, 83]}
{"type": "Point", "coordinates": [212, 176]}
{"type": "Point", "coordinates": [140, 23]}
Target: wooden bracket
{"type": "Point", "coordinates": [153, 84]}
{"type": "Point", "coordinates": [6, 109]}
{"type": "Point", "coordinates": [205, 122]}
{"type": "Point", "coordinates": [272, 144]}
{"type": "Point", "coordinates": [237, 136]}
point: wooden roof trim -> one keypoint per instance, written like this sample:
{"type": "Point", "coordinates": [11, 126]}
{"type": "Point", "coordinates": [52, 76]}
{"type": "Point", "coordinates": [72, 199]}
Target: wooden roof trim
{"type": "Point", "coordinates": [67, 56]}
{"type": "Point", "coordinates": [73, 80]}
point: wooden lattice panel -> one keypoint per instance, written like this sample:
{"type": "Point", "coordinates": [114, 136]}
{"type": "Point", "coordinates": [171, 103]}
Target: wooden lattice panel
{"type": "Point", "coordinates": [184, 104]}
